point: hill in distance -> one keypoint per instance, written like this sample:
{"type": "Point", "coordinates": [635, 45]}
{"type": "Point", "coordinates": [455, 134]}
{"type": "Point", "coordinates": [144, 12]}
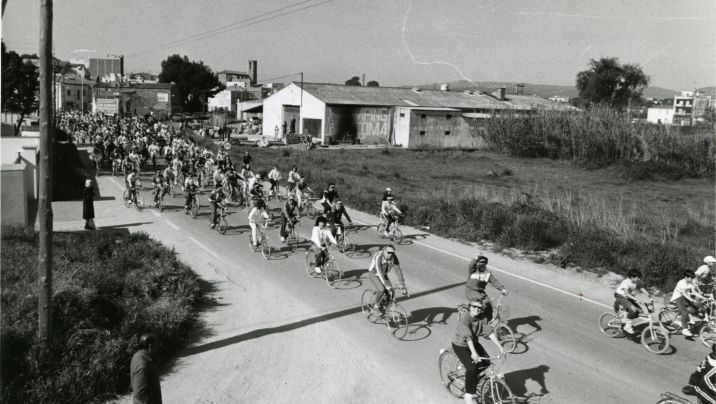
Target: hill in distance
{"type": "Point", "coordinates": [550, 90]}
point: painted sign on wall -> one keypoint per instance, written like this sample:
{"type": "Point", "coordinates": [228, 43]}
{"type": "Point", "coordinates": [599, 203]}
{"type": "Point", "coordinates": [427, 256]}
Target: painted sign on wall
{"type": "Point", "coordinates": [162, 97]}
{"type": "Point", "coordinates": [358, 122]}
{"type": "Point", "coordinates": [109, 106]}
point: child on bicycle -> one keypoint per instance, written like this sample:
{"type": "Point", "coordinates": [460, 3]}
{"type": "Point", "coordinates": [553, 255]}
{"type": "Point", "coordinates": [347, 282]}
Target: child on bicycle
{"type": "Point", "coordinates": [687, 299]}
{"type": "Point", "coordinates": [217, 200]}
{"type": "Point", "coordinates": [389, 212]}
{"type": "Point", "coordinates": [624, 296]}
{"type": "Point", "coordinates": [258, 217]}
{"type": "Point", "coordinates": [334, 218]}
{"type": "Point", "coordinates": [289, 214]}
{"type": "Point", "coordinates": [478, 276]}
{"type": "Point", "coordinates": [320, 237]}
{"type": "Point", "coordinates": [468, 349]}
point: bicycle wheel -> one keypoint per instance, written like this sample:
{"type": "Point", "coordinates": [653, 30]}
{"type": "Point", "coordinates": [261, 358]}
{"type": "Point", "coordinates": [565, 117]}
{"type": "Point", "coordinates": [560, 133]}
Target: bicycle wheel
{"type": "Point", "coordinates": [265, 248]}
{"type": "Point", "coordinates": [125, 198]}
{"type": "Point", "coordinates": [311, 211]}
{"type": "Point", "coordinates": [655, 339]}
{"type": "Point", "coordinates": [396, 318]}
{"type": "Point", "coordinates": [367, 300]}
{"type": "Point", "coordinates": [380, 228]}
{"type": "Point", "coordinates": [332, 273]}
{"type": "Point", "coordinates": [140, 202]}
{"type": "Point", "coordinates": [707, 335]}
{"type": "Point", "coordinates": [495, 391]}
{"type": "Point", "coordinates": [506, 337]}
{"type": "Point", "coordinates": [667, 318]}
{"type": "Point", "coordinates": [311, 263]}
{"type": "Point", "coordinates": [610, 325]}
{"type": "Point", "coordinates": [452, 373]}
{"type": "Point", "coordinates": [346, 244]}
{"type": "Point", "coordinates": [223, 225]}
{"type": "Point", "coordinates": [194, 210]}
{"type": "Point", "coordinates": [397, 236]}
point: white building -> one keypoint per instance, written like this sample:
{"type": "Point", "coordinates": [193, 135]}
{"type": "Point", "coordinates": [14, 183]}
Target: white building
{"type": "Point", "coordinates": [662, 115]}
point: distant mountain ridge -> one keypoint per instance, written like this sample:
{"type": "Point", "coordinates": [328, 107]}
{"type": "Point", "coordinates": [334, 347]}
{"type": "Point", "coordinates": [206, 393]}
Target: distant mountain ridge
{"type": "Point", "coordinates": [550, 90]}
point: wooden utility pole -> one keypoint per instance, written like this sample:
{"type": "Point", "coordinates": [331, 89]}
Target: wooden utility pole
{"type": "Point", "coordinates": [44, 206]}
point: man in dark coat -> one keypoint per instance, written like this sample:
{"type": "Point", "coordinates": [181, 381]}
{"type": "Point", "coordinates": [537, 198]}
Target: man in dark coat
{"type": "Point", "coordinates": [144, 372]}
{"type": "Point", "coordinates": [88, 194]}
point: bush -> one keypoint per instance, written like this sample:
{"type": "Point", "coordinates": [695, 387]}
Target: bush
{"type": "Point", "coordinates": [109, 289]}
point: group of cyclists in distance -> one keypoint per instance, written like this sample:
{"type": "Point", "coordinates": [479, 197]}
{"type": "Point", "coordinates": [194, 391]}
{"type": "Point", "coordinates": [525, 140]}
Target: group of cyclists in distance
{"type": "Point", "coordinates": [129, 145]}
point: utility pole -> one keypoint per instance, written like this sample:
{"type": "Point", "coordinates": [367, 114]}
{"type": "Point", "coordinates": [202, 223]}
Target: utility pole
{"type": "Point", "coordinates": [300, 108]}
{"type": "Point", "coordinates": [363, 79]}
{"type": "Point", "coordinates": [44, 211]}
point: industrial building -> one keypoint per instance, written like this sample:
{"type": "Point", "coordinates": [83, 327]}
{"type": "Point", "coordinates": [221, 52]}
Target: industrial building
{"type": "Point", "coordinates": [401, 116]}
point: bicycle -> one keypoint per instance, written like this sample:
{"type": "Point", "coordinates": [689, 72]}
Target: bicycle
{"type": "Point", "coordinates": [395, 234]}
{"type": "Point", "coordinates": [263, 244]}
{"type": "Point", "coordinates": [193, 207]}
{"type": "Point", "coordinates": [307, 206]}
{"type": "Point", "coordinates": [159, 199]}
{"type": "Point", "coordinates": [493, 388]}
{"type": "Point", "coordinates": [654, 337]}
{"type": "Point", "coordinates": [503, 332]}
{"type": "Point", "coordinates": [706, 324]}
{"type": "Point", "coordinates": [330, 270]}
{"type": "Point", "coordinates": [292, 234]}
{"type": "Point", "coordinates": [276, 193]}
{"type": "Point", "coordinates": [137, 199]}
{"type": "Point", "coordinates": [345, 241]}
{"type": "Point", "coordinates": [395, 316]}
{"type": "Point", "coordinates": [221, 223]}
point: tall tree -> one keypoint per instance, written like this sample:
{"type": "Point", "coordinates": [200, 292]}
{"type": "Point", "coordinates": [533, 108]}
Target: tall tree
{"type": "Point", "coordinates": [353, 81]}
{"type": "Point", "coordinates": [609, 82]}
{"type": "Point", "coordinates": [194, 80]}
{"type": "Point", "coordinates": [20, 86]}
{"type": "Point", "coordinates": [372, 83]}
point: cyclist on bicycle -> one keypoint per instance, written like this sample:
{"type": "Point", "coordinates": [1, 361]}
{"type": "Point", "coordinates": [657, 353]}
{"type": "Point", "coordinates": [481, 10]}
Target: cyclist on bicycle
{"type": "Point", "coordinates": [704, 275]}
{"type": "Point", "coordinates": [274, 177]}
{"type": "Point", "coordinates": [389, 212]}
{"type": "Point", "coordinates": [256, 193]}
{"type": "Point", "coordinates": [302, 191]}
{"type": "Point", "coordinates": [320, 236]}
{"type": "Point", "coordinates": [158, 186]}
{"type": "Point", "coordinates": [329, 196]}
{"type": "Point", "coordinates": [289, 214]}
{"type": "Point", "coordinates": [478, 276]}
{"type": "Point", "coordinates": [219, 177]}
{"type": "Point", "coordinates": [686, 298]}
{"type": "Point", "coordinates": [258, 216]}
{"type": "Point", "coordinates": [199, 166]}
{"type": "Point", "coordinates": [217, 200]}
{"type": "Point", "coordinates": [293, 179]}
{"type": "Point", "coordinates": [191, 187]}
{"type": "Point", "coordinates": [703, 380]}
{"type": "Point", "coordinates": [335, 216]}
{"type": "Point", "coordinates": [232, 177]}
{"type": "Point", "coordinates": [624, 295]}
{"type": "Point", "coordinates": [169, 175]}
{"type": "Point", "coordinates": [467, 347]}
{"type": "Point", "coordinates": [380, 265]}
{"type": "Point", "coordinates": [132, 183]}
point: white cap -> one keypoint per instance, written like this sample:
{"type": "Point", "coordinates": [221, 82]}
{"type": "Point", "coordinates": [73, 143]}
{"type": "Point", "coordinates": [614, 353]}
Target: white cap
{"type": "Point", "coordinates": [709, 259]}
{"type": "Point", "coordinates": [388, 190]}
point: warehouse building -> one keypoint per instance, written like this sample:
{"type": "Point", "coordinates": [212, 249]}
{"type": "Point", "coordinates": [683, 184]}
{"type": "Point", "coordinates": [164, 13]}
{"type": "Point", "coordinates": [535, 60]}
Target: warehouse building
{"type": "Point", "coordinates": [401, 116]}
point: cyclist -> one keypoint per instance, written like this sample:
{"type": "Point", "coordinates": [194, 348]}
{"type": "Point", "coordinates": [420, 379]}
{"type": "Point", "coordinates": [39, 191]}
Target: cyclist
{"type": "Point", "coordinates": [232, 177]}
{"type": "Point", "coordinates": [624, 295]}
{"type": "Point", "coordinates": [132, 183]}
{"type": "Point", "coordinates": [274, 177]}
{"type": "Point", "coordinates": [703, 380]}
{"type": "Point", "coordinates": [199, 166]}
{"type": "Point", "coordinates": [467, 347]}
{"type": "Point", "coordinates": [258, 216]}
{"type": "Point", "coordinates": [380, 265]}
{"type": "Point", "coordinates": [219, 177]}
{"type": "Point", "coordinates": [217, 200]}
{"type": "Point", "coordinates": [256, 193]}
{"type": "Point", "coordinates": [329, 195]}
{"type": "Point", "coordinates": [289, 214]}
{"type": "Point", "coordinates": [169, 175]}
{"type": "Point", "coordinates": [158, 185]}
{"type": "Point", "coordinates": [293, 178]}
{"type": "Point", "coordinates": [685, 297]}
{"type": "Point", "coordinates": [388, 192]}
{"type": "Point", "coordinates": [247, 160]}
{"type": "Point", "coordinates": [704, 275]}
{"type": "Point", "coordinates": [389, 213]}
{"type": "Point", "coordinates": [302, 191]}
{"type": "Point", "coordinates": [335, 216]}
{"type": "Point", "coordinates": [320, 236]}
{"type": "Point", "coordinates": [191, 187]}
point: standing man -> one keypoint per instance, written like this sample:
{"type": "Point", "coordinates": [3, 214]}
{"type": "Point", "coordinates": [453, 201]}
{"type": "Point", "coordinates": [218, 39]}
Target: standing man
{"type": "Point", "coordinates": [144, 372]}
{"type": "Point", "coordinates": [88, 205]}
{"type": "Point", "coordinates": [293, 124]}
{"type": "Point", "coordinates": [284, 128]}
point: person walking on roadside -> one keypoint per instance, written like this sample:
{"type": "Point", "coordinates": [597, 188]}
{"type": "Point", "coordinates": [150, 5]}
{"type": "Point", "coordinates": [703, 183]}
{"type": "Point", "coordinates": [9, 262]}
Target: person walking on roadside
{"type": "Point", "coordinates": [88, 194]}
{"type": "Point", "coordinates": [144, 372]}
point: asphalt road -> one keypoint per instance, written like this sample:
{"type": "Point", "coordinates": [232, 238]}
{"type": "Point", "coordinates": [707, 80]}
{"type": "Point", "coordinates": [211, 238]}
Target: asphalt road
{"type": "Point", "coordinates": [278, 335]}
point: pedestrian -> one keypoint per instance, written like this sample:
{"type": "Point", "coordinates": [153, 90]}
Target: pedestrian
{"type": "Point", "coordinates": [144, 372]}
{"type": "Point", "coordinates": [275, 132]}
{"type": "Point", "coordinates": [293, 124]}
{"type": "Point", "coordinates": [88, 194]}
{"type": "Point", "coordinates": [283, 128]}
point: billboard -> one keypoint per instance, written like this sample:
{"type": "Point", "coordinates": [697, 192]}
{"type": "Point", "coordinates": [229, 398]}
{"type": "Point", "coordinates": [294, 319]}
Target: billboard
{"type": "Point", "coordinates": [162, 97]}
{"type": "Point", "coordinates": [109, 106]}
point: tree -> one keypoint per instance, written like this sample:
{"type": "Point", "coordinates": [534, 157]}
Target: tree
{"type": "Point", "coordinates": [372, 83]}
{"type": "Point", "coordinates": [609, 82]}
{"type": "Point", "coordinates": [20, 86]}
{"type": "Point", "coordinates": [194, 81]}
{"type": "Point", "coordinates": [353, 81]}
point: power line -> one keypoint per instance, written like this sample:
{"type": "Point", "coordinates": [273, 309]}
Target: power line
{"type": "Point", "coordinates": [231, 27]}
{"type": "Point", "coordinates": [280, 77]}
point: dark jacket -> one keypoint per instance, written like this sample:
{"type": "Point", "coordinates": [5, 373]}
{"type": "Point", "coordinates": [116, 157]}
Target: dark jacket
{"type": "Point", "coordinates": [88, 203]}
{"type": "Point", "coordinates": [145, 379]}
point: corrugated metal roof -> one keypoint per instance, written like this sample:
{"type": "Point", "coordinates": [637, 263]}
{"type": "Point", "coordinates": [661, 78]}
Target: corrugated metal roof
{"type": "Point", "coordinates": [234, 72]}
{"type": "Point", "coordinates": [338, 94]}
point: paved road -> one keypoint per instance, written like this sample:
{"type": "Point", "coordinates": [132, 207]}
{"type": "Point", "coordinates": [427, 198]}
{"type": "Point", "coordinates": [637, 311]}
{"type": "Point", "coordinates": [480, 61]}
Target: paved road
{"type": "Point", "coordinates": [279, 336]}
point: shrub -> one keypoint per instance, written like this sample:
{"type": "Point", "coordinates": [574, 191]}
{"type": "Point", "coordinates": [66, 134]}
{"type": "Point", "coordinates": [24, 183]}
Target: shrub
{"type": "Point", "coordinates": [109, 289]}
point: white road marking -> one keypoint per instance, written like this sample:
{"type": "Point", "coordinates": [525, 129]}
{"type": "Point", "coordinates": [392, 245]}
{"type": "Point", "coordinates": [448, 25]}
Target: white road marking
{"type": "Point", "coordinates": [175, 227]}
{"type": "Point", "coordinates": [155, 213]}
{"type": "Point", "coordinates": [115, 183]}
{"type": "Point", "coordinates": [202, 246]}
{"type": "Point", "coordinates": [556, 289]}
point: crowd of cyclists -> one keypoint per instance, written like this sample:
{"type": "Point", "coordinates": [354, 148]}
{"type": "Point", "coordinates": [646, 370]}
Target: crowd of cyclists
{"type": "Point", "coordinates": [130, 145]}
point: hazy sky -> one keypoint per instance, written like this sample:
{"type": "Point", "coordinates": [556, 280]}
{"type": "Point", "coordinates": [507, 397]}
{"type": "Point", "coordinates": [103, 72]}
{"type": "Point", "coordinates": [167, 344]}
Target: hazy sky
{"type": "Point", "coordinates": [396, 42]}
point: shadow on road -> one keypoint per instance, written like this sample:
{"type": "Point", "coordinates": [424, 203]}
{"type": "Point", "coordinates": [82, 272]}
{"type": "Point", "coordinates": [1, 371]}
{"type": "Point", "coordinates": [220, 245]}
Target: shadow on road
{"type": "Point", "coordinates": [432, 315]}
{"type": "Point", "coordinates": [262, 332]}
{"type": "Point", "coordinates": [119, 226]}
{"type": "Point", "coordinates": [517, 381]}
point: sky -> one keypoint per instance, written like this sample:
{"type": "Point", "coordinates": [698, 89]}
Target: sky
{"type": "Point", "coordinates": [395, 42]}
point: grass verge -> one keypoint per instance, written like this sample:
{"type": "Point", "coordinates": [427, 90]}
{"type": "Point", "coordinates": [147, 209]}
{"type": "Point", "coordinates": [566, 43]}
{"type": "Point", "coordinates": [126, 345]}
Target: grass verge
{"type": "Point", "coordinates": [109, 288]}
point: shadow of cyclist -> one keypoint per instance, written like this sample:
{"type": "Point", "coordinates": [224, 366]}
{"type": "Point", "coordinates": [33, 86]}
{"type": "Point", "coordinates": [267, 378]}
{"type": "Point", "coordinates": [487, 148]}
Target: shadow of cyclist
{"type": "Point", "coordinates": [517, 381]}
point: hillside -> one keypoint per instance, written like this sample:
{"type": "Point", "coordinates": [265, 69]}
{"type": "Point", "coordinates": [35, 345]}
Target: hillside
{"type": "Point", "coordinates": [544, 90]}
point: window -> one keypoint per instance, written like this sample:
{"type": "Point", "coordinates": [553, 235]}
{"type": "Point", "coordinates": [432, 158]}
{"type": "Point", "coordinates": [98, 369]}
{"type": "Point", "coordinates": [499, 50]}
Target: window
{"type": "Point", "coordinates": [78, 93]}
{"type": "Point", "coordinates": [447, 133]}
{"type": "Point", "coordinates": [422, 133]}
{"type": "Point", "coordinates": [402, 114]}
{"type": "Point", "coordinates": [448, 116]}
{"type": "Point", "coordinates": [69, 92]}
{"type": "Point", "coordinates": [423, 116]}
